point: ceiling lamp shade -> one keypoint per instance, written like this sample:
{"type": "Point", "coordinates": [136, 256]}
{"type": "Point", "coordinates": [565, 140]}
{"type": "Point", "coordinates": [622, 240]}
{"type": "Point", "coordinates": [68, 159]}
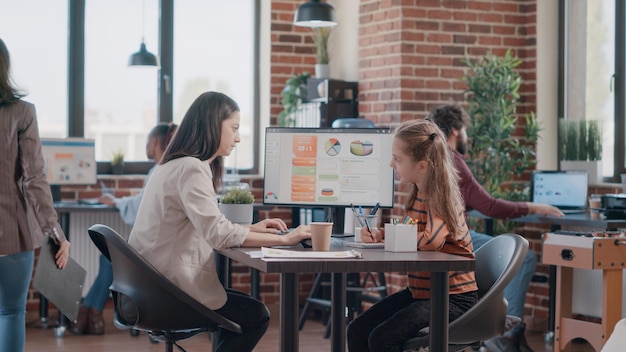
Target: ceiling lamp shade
{"type": "Point", "coordinates": [315, 13]}
{"type": "Point", "coordinates": [143, 57]}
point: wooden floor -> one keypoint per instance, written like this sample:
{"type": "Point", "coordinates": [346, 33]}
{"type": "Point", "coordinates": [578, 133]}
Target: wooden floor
{"type": "Point", "coordinates": [311, 339]}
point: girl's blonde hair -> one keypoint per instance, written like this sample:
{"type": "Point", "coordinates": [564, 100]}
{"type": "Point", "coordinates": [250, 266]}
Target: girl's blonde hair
{"type": "Point", "coordinates": [423, 140]}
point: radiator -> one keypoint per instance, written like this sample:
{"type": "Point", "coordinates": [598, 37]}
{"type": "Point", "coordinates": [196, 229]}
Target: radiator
{"type": "Point", "coordinates": [82, 249]}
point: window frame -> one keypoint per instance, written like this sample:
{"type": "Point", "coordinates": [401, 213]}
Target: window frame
{"type": "Point", "coordinates": [76, 80]}
{"type": "Point", "coordinates": [619, 85]}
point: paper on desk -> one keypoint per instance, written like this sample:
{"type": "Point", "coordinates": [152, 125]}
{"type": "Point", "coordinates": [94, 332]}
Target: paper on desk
{"type": "Point", "coordinates": [284, 253]}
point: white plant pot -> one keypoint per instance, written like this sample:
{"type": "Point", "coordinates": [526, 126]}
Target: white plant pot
{"type": "Point", "coordinates": [322, 71]}
{"type": "Point", "coordinates": [593, 168]}
{"type": "Point", "coordinates": [238, 213]}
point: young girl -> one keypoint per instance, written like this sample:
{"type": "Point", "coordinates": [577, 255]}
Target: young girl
{"type": "Point", "coordinates": [179, 223]}
{"type": "Point", "coordinates": [420, 158]}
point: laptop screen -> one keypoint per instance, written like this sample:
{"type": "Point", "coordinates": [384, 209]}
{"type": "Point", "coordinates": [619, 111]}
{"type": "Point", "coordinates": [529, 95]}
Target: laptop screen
{"type": "Point", "coordinates": [562, 189]}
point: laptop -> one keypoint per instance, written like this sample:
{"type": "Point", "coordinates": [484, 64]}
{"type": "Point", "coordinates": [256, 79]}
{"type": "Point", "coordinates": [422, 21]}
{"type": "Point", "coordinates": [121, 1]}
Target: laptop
{"type": "Point", "coordinates": [566, 190]}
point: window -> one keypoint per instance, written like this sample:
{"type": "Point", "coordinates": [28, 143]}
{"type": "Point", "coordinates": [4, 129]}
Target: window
{"type": "Point", "coordinates": [591, 50]}
{"type": "Point", "coordinates": [39, 58]}
{"type": "Point", "coordinates": [120, 101]}
{"type": "Point", "coordinates": [214, 50]}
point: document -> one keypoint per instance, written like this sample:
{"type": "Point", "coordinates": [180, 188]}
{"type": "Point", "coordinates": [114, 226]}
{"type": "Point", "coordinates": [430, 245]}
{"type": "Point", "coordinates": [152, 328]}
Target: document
{"type": "Point", "coordinates": [63, 287]}
{"type": "Point", "coordinates": [285, 253]}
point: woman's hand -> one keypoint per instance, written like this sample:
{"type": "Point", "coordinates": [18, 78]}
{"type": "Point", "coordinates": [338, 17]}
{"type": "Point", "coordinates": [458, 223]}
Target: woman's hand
{"type": "Point", "coordinates": [63, 254]}
{"type": "Point", "coordinates": [544, 209]}
{"type": "Point", "coordinates": [269, 226]}
{"type": "Point", "coordinates": [375, 236]}
{"type": "Point", "coordinates": [302, 232]}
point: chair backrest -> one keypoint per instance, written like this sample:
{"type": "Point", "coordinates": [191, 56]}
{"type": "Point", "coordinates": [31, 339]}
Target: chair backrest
{"type": "Point", "coordinates": [144, 298]}
{"type": "Point", "coordinates": [497, 262]}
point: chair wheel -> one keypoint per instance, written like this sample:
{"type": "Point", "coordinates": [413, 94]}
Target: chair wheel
{"type": "Point", "coordinates": [134, 332]}
{"type": "Point", "coordinates": [152, 339]}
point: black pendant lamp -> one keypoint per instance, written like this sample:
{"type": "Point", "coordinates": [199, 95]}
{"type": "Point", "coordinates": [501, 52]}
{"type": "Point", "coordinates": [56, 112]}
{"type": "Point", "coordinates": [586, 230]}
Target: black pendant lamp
{"type": "Point", "coordinates": [315, 13]}
{"type": "Point", "coordinates": [143, 57]}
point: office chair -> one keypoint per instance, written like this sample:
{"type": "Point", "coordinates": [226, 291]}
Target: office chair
{"type": "Point", "coordinates": [146, 300]}
{"type": "Point", "coordinates": [497, 262]}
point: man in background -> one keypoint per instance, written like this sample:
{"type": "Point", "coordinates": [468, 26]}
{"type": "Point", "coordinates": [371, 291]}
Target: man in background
{"type": "Point", "coordinates": [453, 121]}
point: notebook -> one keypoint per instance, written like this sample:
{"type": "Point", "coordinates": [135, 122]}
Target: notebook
{"type": "Point", "coordinates": [365, 244]}
{"type": "Point", "coordinates": [566, 190]}
{"type": "Point", "coordinates": [64, 287]}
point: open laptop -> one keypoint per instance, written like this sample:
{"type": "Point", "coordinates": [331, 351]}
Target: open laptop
{"type": "Point", "coordinates": [566, 190]}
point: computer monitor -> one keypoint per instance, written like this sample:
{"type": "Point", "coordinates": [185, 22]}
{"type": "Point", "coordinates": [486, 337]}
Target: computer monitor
{"type": "Point", "coordinates": [328, 167]}
{"type": "Point", "coordinates": [69, 161]}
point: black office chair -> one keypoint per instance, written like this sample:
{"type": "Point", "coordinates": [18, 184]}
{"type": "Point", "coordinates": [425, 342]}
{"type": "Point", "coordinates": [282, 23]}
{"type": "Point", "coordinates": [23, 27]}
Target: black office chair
{"type": "Point", "coordinates": [147, 301]}
{"type": "Point", "coordinates": [497, 262]}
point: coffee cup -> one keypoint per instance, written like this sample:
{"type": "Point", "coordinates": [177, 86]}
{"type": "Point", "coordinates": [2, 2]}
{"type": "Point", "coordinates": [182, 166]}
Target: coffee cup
{"type": "Point", "coordinates": [320, 235]}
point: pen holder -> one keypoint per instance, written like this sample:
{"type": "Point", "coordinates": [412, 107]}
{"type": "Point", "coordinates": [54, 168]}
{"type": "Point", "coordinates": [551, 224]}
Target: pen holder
{"type": "Point", "coordinates": [400, 238]}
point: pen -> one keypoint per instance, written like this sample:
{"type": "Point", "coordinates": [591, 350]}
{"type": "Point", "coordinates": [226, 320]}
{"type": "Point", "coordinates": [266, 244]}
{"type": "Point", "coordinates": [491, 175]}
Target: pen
{"type": "Point", "coordinates": [375, 209]}
{"type": "Point", "coordinates": [358, 218]}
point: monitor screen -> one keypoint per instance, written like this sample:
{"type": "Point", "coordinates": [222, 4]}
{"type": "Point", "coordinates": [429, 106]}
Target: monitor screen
{"type": "Point", "coordinates": [70, 161]}
{"type": "Point", "coordinates": [328, 166]}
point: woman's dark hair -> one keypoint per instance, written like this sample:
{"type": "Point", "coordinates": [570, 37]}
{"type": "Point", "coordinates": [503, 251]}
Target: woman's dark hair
{"type": "Point", "coordinates": [8, 92]}
{"type": "Point", "coordinates": [200, 132]}
{"type": "Point", "coordinates": [163, 132]}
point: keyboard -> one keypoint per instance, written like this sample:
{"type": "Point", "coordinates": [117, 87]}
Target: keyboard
{"type": "Point", "coordinates": [365, 244]}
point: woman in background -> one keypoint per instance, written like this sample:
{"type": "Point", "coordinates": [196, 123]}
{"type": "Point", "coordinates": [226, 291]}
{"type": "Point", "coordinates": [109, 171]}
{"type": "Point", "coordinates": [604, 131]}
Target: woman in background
{"type": "Point", "coordinates": [179, 223]}
{"type": "Point", "coordinates": [27, 213]}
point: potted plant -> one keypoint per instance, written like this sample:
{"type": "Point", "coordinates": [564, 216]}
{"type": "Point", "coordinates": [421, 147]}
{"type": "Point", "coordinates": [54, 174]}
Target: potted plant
{"type": "Point", "coordinates": [292, 96]}
{"type": "Point", "coordinates": [580, 147]}
{"type": "Point", "coordinates": [237, 206]}
{"type": "Point", "coordinates": [320, 39]}
{"type": "Point", "coordinates": [117, 162]}
{"type": "Point", "coordinates": [497, 157]}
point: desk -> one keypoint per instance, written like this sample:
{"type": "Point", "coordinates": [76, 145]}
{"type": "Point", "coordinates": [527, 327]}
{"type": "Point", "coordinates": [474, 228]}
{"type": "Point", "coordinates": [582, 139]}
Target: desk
{"type": "Point", "coordinates": [64, 209]}
{"type": "Point", "coordinates": [581, 219]}
{"type": "Point", "coordinates": [439, 264]}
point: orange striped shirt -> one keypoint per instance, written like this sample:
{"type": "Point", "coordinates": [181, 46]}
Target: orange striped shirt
{"type": "Point", "coordinates": [433, 235]}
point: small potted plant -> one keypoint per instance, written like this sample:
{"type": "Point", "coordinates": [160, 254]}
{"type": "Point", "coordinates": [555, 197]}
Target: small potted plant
{"type": "Point", "coordinates": [117, 162]}
{"type": "Point", "coordinates": [237, 206]}
{"type": "Point", "coordinates": [320, 39]}
{"type": "Point", "coordinates": [580, 142]}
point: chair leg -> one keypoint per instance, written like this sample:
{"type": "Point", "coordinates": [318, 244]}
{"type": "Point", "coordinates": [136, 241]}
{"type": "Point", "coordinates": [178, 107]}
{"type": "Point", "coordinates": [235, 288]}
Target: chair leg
{"type": "Point", "coordinates": [169, 346]}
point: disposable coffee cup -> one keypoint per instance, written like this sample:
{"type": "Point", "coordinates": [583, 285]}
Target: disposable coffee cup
{"type": "Point", "coordinates": [320, 235]}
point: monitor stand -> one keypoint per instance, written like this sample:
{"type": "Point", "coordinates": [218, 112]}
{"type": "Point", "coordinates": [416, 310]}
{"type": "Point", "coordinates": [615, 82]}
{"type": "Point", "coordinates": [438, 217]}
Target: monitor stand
{"type": "Point", "coordinates": [338, 216]}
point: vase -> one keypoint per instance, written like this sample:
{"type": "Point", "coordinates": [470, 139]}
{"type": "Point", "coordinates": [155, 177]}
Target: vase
{"type": "Point", "coordinates": [593, 168]}
{"type": "Point", "coordinates": [322, 70]}
{"type": "Point", "coordinates": [238, 213]}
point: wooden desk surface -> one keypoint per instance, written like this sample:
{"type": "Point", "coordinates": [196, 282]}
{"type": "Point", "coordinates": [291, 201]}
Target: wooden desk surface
{"type": "Point", "coordinates": [373, 260]}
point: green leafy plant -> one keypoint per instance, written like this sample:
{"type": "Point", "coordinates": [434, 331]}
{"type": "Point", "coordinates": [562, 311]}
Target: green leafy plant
{"type": "Point", "coordinates": [320, 39]}
{"type": "Point", "coordinates": [238, 196]}
{"type": "Point", "coordinates": [580, 140]}
{"type": "Point", "coordinates": [497, 156]}
{"type": "Point", "coordinates": [292, 96]}
{"type": "Point", "coordinates": [117, 158]}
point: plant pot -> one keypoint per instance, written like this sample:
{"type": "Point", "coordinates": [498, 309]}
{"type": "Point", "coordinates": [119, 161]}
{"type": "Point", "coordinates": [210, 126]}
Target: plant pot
{"type": "Point", "coordinates": [237, 213]}
{"type": "Point", "coordinates": [117, 169]}
{"type": "Point", "coordinates": [593, 168]}
{"type": "Point", "coordinates": [322, 70]}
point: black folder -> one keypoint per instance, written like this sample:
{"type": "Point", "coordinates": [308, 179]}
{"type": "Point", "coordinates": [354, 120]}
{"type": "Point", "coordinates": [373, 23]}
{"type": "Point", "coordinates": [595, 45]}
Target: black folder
{"type": "Point", "coordinates": [63, 287]}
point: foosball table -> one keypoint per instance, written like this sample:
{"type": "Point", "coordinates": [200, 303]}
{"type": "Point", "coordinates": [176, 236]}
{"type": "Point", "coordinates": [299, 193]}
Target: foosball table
{"type": "Point", "coordinates": [604, 251]}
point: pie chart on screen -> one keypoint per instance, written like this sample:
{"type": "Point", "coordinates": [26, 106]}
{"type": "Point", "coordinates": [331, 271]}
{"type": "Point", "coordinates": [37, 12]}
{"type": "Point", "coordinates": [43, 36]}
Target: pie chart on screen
{"type": "Point", "coordinates": [361, 148]}
{"type": "Point", "coordinates": [332, 146]}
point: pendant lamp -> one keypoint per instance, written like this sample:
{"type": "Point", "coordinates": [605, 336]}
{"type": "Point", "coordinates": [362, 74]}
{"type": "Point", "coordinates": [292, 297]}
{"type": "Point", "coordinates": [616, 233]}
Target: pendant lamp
{"type": "Point", "coordinates": [315, 13]}
{"type": "Point", "coordinates": [143, 57]}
